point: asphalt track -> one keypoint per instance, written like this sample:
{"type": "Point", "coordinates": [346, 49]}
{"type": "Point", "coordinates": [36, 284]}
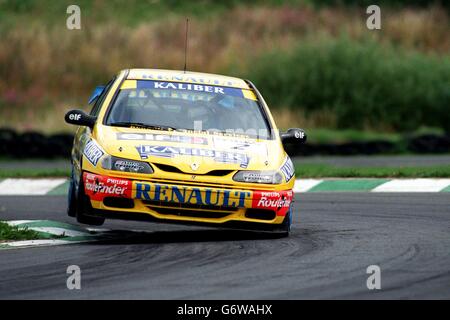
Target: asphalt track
{"type": "Point", "coordinates": [335, 237]}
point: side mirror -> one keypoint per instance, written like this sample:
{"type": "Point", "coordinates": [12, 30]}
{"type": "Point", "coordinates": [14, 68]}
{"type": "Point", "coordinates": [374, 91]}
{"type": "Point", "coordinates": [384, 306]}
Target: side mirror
{"type": "Point", "coordinates": [79, 118]}
{"type": "Point", "coordinates": [294, 136]}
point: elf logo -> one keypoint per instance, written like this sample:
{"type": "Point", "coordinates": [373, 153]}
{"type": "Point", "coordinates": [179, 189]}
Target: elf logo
{"type": "Point", "coordinates": [75, 116]}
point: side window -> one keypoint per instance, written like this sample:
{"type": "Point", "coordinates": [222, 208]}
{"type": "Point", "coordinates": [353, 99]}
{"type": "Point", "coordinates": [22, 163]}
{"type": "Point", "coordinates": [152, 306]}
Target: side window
{"type": "Point", "coordinates": [96, 108]}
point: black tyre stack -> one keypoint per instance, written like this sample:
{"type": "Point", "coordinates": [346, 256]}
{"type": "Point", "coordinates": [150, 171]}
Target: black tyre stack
{"type": "Point", "coordinates": [34, 144]}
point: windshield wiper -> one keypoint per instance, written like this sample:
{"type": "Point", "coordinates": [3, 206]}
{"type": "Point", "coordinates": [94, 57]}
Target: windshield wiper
{"type": "Point", "coordinates": [143, 125]}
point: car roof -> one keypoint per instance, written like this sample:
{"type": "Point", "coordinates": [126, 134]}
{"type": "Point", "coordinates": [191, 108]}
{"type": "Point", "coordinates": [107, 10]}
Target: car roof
{"type": "Point", "coordinates": [186, 76]}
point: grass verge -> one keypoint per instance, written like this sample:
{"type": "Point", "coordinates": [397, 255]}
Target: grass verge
{"type": "Point", "coordinates": [34, 173]}
{"type": "Point", "coordinates": [8, 233]}
{"type": "Point", "coordinates": [301, 170]}
{"type": "Point", "coordinates": [324, 170]}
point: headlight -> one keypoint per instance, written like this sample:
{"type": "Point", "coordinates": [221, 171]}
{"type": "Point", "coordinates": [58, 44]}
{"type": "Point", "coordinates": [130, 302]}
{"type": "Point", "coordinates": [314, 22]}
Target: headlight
{"type": "Point", "coordinates": [125, 165]}
{"type": "Point", "coordinates": [269, 177]}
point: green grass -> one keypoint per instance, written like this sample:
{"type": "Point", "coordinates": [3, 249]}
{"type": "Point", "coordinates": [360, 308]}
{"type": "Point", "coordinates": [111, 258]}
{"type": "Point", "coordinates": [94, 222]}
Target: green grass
{"type": "Point", "coordinates": [33, 173]}
{"type": "Point", "coordinates": [8, 233]}
{"type": "Point", "coordinates": [322, 135]}
{"type": "Point", "coordinates": [325, 135]}
{"type": "Point", "coordinates": [323, 170]}
{"type": "Point", "coordinates": [301, 170]}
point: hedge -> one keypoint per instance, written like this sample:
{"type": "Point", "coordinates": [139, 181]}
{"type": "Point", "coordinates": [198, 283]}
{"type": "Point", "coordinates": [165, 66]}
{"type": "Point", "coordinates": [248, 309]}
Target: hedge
{"type": "Point", "coordinates": [364, 84]}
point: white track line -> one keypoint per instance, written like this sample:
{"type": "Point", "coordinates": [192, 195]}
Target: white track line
{"type": "Point", "coordinates": [29, 186]}
{"type": "Point", "coordinates": [60, 231]}
{"type": "Point", "coordinates": [38, 243]}
{"type": "Point", "coordinates": [18, 222]}
{"type": "Point", "coordinates": [304, 185]}
{"type": "Point", "coordinates": [43, 186]}
{"type": "Point", "coordinates": [413, 185]}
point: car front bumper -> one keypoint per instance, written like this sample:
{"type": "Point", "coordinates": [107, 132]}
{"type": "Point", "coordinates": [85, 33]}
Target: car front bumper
{"type": "Point", "coordinates": [152, 200]}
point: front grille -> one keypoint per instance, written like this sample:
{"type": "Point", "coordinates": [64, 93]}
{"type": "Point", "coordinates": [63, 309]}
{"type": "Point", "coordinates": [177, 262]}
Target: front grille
{"type": "Point", "coordinates": [219, 173]}
{"type": "Point", "coordinates": [169, 168]}
{"type": "Point", "coordinates": [186, 206]}
{"type": "Point", "coordinates": [189, 210]}
{"type": "Point", "coordinates": [260, 214]}
{"type": "Point", "coordinates": [191, 213]}
{"type": "Point", "coordinates": [123, 203]}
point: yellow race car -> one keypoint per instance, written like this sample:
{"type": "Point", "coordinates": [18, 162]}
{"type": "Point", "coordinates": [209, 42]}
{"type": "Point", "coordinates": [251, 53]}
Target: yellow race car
{"type": "Point", "coordinates": [174, 146]}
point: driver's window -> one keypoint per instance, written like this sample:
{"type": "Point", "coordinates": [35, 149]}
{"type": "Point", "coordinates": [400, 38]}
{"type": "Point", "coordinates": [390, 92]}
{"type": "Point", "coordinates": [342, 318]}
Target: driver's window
{"type": "Point", "coordinates": [96, 108]}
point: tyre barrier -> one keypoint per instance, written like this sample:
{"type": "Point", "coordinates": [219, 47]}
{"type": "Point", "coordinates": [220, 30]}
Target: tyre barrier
{"type": "Point", "coordinates": [429, 144]}
{"type": "Point", "coordinates": [423, 144]}
{"type": "Point", "coordinates": [34, 145]}
{"type": "Point", "coordinates": [37, 145]}
{"type": "Point", "coordinates": [347, 149]}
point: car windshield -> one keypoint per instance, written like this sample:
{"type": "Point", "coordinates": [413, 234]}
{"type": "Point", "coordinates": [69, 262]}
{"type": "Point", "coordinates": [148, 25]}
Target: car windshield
{"type": "Point", "coordinates": [164, 105]}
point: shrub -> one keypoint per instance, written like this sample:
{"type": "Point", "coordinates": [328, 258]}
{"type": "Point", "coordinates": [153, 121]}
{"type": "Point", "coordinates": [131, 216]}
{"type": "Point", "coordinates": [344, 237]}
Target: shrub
{"type": "Point", "coordinates": [364, 84]}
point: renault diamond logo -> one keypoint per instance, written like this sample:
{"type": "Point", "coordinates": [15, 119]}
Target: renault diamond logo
{"type": "Point", "coordinates": [194, 166]}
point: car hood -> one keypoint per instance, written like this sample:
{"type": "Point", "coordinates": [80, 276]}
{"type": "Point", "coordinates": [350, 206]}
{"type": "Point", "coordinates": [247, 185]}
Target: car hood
{"type": "Point", "coordinates": [191, 152]}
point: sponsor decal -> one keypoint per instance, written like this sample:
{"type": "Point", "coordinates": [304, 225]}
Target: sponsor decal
{"type": "Point", "coordinates": [278, 201]}
{"type": "Point", "coordinates": [288, 169]}
{"type": "Point", "coordinates": [129, 166]}
{"type": "Point", "coordinates": [192, 195]}
{"type": "Point", "coordinates": [218, 133]}
{"type": "Point", "coordinates": [187, 86]}
{"type": "Point", "coordinates": [169, 152]}
{"type": "Point", "coordinates": [97, 187]}
{"type": "Point", "coordinates": [75, 116]}
{"type": "Point", "coordinates": [164, 85]}
{"type": "Point", "coordinates": [93, 152]}
{"type": "Point", "coordinates": [243, 145]}
{"type": "Point", "coordinates": [188, 78]}
{"type": "Point", "coordinates": [162, 137]}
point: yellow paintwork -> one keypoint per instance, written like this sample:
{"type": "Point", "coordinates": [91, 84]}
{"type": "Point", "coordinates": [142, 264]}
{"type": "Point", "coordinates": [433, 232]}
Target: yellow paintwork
{"type": "Point", "coordinates": [270, 156]}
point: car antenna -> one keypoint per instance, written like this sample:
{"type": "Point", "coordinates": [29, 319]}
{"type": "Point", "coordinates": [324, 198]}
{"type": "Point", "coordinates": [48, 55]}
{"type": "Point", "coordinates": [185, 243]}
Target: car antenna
{"type": "Point", "coordinates": [186, 45]}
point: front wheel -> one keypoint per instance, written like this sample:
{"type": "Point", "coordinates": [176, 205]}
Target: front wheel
{"type": "Point", "coordinates": [286, 225]}
{"type": "Point", "coordinates": [71, 198]}
{"type": "Point", "coordinates": [84, 208]}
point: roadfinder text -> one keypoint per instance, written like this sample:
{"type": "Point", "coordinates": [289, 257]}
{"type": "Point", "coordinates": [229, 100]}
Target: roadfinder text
{"type": "Point", "coordinates": [226, 309]}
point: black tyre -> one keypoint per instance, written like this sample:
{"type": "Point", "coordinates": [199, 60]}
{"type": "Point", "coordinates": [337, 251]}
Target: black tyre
{"type": "Point", "coordinates": [84, 209]}
{"type": "Point", "coordinates": [286, 225]}
{"type": "Point", "coordinates": [71, 198]}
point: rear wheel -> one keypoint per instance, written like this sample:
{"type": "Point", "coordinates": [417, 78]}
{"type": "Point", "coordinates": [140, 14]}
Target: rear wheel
{"type": "Point", "coordinates": [84, 209]}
